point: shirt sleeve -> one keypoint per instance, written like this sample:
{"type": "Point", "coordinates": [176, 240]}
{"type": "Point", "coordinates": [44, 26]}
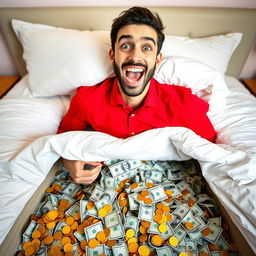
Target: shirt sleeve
{"type": "Point", "coordinates": [74, 120]}
{"type": "Point", "coordinates": [196, 117]}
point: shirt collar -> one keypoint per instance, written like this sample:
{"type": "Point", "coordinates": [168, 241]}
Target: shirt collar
{"type": "Point", "coordinates": [149, 101]}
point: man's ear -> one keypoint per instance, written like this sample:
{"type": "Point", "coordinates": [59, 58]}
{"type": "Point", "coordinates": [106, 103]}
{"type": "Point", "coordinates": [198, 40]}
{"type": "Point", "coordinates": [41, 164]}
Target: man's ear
{"type": "Point", "coordinates": [159, 59]}
{"type": "Point", "coordinates": [111, 56]}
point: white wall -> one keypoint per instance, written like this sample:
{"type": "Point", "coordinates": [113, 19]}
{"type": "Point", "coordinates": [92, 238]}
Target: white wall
{"type": "Point", "coordinates": [7, 66]}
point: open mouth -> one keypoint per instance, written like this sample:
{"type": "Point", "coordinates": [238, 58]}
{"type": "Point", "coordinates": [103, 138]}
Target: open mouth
{"type": "Point", "coordinates": [134, 74]}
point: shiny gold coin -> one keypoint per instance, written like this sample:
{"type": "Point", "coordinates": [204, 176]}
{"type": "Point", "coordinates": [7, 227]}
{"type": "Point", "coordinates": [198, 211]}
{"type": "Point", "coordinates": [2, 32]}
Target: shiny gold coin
{"type": "Point", "coordinates": [133, 247]}
{"type": "Point", "coordinates": [144, 250]}
{"type": "Point", "coordinates": [66, 229]}
{"type": "Point", "coordinates": [65, 240]}
{"type": "Point", "coordinates": [173, 241]}
{"type": "Point", "coordinates": [68, 247]}
{"type": "Point", "coordinates": [29, 251]}
{"type": "Point", "coordinates": [162, 228]}
{"type": "Point", "coordinates": [123, 202]}
{"type": "Point", "coordinates": [206, 231]}
{"type": "Point", "coordinates": [70, 221]}
{"type": "Point", "coordinates": [108, 208]}
{"type": "Point", "coordinates": [157, 218]}
{"type": "Point", "coordinates": [51, 225]}
{"type": "Point", "coordinates": [188, 225]}
{"type": "Point", "coordinates": [149, 185]}
{"type": "Point", "coordinates": [168, 193]}
{"type": "Point", "coordinates": [132, 240]}
{"type": "Point", "coordinates": [111, 243]}
{"type": "Point", "coordinates": [102, 213]}
{"type": "Point", "coordinates": [140, 197]}
{"type": "Point", "coordinates": [143, 238]}
{"type": "Point", "coordinates": [52, 215]}
{"type": "Point", "coordinates": [101, 236]}
{"type": "Point", "coordinates": [191, 202]}
{"type": "Point", "coordinates": [74, 225]}
{"type": "Point", "coordinates": [145, 224]}
{"type": "Point", "coordinates": [143, 230]}
{"type": "Point", "coordinates": [48, 240]}
{"type": "Point", "coordinates": [148, 200]}
{"type": "Point", "coordinates": [134, 185]}
{"type": "Point", "coordinates": [166, 208]}
{"type": "Point", "coordinates": [183, 254]}
{"type": "Point", "coordinates": [157, 240]}
{"type": "Point", "coordinates": [159, 205]}
{"type": "Point", "coordinates": [36, 234]}
{"type": "Point", "coordinates": [57, 235]}
{"type": "Point", "coordinates": [169, 217]}
{"type": "Point", "coordinates": [90, 205]}
{"type": "Point", "coordinates": [144, 193]}
{"type": "Point", "coordinates": [130, 233]}
{"type": "Point", "coordinates": [163, 219]}
{"type": "Point", "coordinates": [93, 243]}
{"type": "Point", "coordinates": [107, 232]}
{"type": "Point", "coordinates": [83, 244]}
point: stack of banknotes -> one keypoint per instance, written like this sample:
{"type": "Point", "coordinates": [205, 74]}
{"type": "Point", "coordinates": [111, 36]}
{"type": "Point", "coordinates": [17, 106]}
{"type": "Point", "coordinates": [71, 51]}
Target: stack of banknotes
{"type": "Point", "coordinates": [134, 208]}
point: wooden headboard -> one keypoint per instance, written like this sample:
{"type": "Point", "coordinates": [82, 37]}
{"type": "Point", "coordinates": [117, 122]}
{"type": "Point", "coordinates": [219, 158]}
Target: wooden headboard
{"type": "Point", "coordinates": [181, 21]}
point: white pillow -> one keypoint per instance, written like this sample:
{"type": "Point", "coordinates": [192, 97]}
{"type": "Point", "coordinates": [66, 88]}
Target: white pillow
{"type": "Point", "coordinates": [203, 80]}
{"type": "Point", "coordinates": [60, 60]}
{"type": "Point", "coordinates": [214, 51]}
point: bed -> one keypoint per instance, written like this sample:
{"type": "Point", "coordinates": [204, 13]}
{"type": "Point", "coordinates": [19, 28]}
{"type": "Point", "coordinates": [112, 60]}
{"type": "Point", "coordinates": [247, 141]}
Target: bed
{"type": "Point", "coordinates": [208, 59]}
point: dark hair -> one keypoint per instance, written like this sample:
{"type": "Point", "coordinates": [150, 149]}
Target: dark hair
{"type": "Point", "coordinates": [138, 15]}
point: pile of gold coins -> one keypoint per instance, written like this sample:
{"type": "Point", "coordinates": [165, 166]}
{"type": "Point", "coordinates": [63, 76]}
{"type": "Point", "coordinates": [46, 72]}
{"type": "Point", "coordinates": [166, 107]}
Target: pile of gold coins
{"type": "Point", "coordinates": [72, 221]}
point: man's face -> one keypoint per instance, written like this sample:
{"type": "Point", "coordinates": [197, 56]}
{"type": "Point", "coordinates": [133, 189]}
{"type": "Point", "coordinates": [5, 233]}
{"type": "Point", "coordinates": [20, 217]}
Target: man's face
{"type": "Point", "coordinates": [135, 58]}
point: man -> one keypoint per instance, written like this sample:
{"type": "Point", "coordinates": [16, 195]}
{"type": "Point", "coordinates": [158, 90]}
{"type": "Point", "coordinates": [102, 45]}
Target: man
{"type": "Point", "coordinates": [133, 102]}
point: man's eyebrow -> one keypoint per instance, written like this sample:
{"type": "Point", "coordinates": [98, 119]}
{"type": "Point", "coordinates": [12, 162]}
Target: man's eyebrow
{"type": "Point", "coordinates": [124, 37]}
{"type": "Point", "coordinates": [145, 38]}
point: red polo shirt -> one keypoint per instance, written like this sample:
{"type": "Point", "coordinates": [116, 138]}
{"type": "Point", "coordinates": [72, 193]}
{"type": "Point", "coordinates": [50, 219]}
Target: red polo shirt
{"type": "Point", "coordinates": [102, 107]}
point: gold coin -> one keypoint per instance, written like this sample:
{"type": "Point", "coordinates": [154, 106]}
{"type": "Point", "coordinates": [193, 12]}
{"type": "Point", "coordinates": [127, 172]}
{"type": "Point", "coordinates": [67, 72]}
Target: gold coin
{"type": "Point", "coordinates": [108, 208]}
{"type": "Point", "coordinates": [29, 250]}
{"type": "Point", "coordinates": [163, 220]}
{"type": "Point", "coordinates": [132, 240]}
{"type": "Point", "coordinates": [36, 234]}
{"type": "Point", "coordinates": [150, 185]}
{"type": "Point", "coordinates": [83, 244]}
{"type": "Point", "coordinates": [93, 243]}
{"type": "Point", "coordinates": [102, 212]}
{"type": "Point", "coordinates": [183, 254]}
{"type": "Point", "coordinates": [143, 230]}
{"type": "Point", "coordinates": [188, 225]}
{"type": "Point", "coordinates": [57, 235]}
{"type": "Point", "coordinates": [145, 224]}
{"type": "Point", "coordinates": [101, 236]}
{"type": "Point", "coordinates": [52, 215]}
{"type": "Point", "coordinates": [123, 202]}
{"type": "Point", "coordinates": [133, 247]}
{"type": "Point", "coordinates": [144, 250]}
{"type": "Point", "coordinates": [107, 232]}
{"type": "Point", "coordinates": [140, 197]}
{"type": "Point", "coordinates": [48, 240]}
{"type": "Point", "coordinates": [134, 185]}
{"type": "Point", "coordinates": [66, 229]}
{"type": "Point", "coordinates": [51, 225]}
{"type": "Point", "coordinates": [130, 233]}
{"type": "Point", "coordinates": [90, 205]}
{"type": "Point", "coordinates": [144, 193]}
{"type": "Point", "coordinates": [70, 220]}
{"type": "Point", "coordinates": [148, 200]}
{"type": "Point", "coordinates": [173, 241]}
{"type": "Point", "coordinates": [162, 228]}
{"type": "Point", "coordinates": [206, 231]}
{"type": "Point", "coordinates": [68, 247]}
{"type": "Point", "coordinates": [157, 240]}
{"type": "Point", "coordinates": [166, 208]}
{"type": "Point", "coordinates": [65, 240]}
{"type": "Point", "coordinates": [111, 243]}
{"type": "Point", "coordinates": [143, 238]}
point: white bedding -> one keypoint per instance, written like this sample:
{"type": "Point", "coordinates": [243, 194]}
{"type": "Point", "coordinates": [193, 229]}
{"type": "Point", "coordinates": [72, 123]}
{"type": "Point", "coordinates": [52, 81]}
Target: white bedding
{"type": "Point", "coordinates": [228, 166]}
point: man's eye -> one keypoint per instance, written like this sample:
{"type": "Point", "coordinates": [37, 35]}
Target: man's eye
{"type": "Point", "coordinates": [147, 48]}
{"type": "Point", "coordinates": [125, 46]}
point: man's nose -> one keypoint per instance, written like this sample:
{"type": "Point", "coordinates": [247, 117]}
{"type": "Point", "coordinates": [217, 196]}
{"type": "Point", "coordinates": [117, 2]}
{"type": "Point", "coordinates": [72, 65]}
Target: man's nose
{"type": "Point", "coordinates": [135, 55]}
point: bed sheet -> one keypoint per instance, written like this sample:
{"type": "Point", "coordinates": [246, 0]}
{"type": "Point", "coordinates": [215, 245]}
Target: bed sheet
{"type": "Point", "coordinates": [235, 187]}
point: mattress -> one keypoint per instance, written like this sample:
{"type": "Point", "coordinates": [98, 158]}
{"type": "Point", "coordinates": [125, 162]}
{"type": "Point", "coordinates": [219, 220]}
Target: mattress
{"type": "Point", "coordinates": [33, 121]}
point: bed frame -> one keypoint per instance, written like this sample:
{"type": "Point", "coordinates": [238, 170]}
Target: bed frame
{"type": "Point", "coordinates": [183, 21]}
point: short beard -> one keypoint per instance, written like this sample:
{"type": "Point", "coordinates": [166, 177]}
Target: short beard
{"type": "Point", "coordinates": [127, 89]}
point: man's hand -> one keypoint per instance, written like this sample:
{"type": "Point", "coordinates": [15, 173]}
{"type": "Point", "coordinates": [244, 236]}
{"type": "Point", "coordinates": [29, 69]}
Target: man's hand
{"type": "Point", "coordinates": [82, 172]}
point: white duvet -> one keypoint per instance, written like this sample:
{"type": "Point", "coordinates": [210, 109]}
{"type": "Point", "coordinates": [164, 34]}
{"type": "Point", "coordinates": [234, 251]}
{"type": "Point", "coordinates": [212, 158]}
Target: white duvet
{"type": "Point", "coordinates": [29, 148]}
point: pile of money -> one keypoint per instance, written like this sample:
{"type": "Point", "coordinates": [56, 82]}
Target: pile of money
{"type": "Point", "coordinates": [135, 208]}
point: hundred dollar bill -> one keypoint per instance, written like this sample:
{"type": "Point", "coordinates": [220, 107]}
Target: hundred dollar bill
{"type": "Point", "coordinates": [214, 234]}
{"type": "Point", "coordinates": [165, 251]}
{"type": "Point", "coordinates": [146, 212]}
{"type": "Point", "coordinates": [83, 209]}
{"type": "Point", "coordinates": [112, 219]}
{"type": "Point", "coordinates": [157, 193]}
{"type": "Point", "coordinates": [99, 250]}
{"type": "Point", "coordinates": [71, 189]}
{"type": "Point", "coordinates": [73, 210]}
{"type": "Point", "coordinates": [110, 194]}
{"type": "Point", "coordinates": [97, 193]}
{"type": "Point", "coordinates": [91, 231]}
{"type": "Point", "coordinates": [103, 201]}
{"type": "Point", "coordinates": [117, 232]}
{"type": "Point", "coordinates": [120, 250]}
{"type": "Point", "coordinates": [132, 222]}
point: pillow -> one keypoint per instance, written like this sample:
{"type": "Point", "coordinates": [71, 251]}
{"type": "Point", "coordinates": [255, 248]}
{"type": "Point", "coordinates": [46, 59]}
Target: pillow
{"type": "Point", "coordinates": [203, 80]}
{"type": "Point", "coordinates": [59, 60]}
{"type": "Point", "coordinates": [214, 51]}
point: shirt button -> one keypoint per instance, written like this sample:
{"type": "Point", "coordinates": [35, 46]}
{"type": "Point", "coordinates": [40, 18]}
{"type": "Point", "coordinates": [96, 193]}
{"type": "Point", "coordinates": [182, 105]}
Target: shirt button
{"type": "Point", "coordinates": [132, 115]}
{"type": "Point", "coordinates": [132, 133]}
